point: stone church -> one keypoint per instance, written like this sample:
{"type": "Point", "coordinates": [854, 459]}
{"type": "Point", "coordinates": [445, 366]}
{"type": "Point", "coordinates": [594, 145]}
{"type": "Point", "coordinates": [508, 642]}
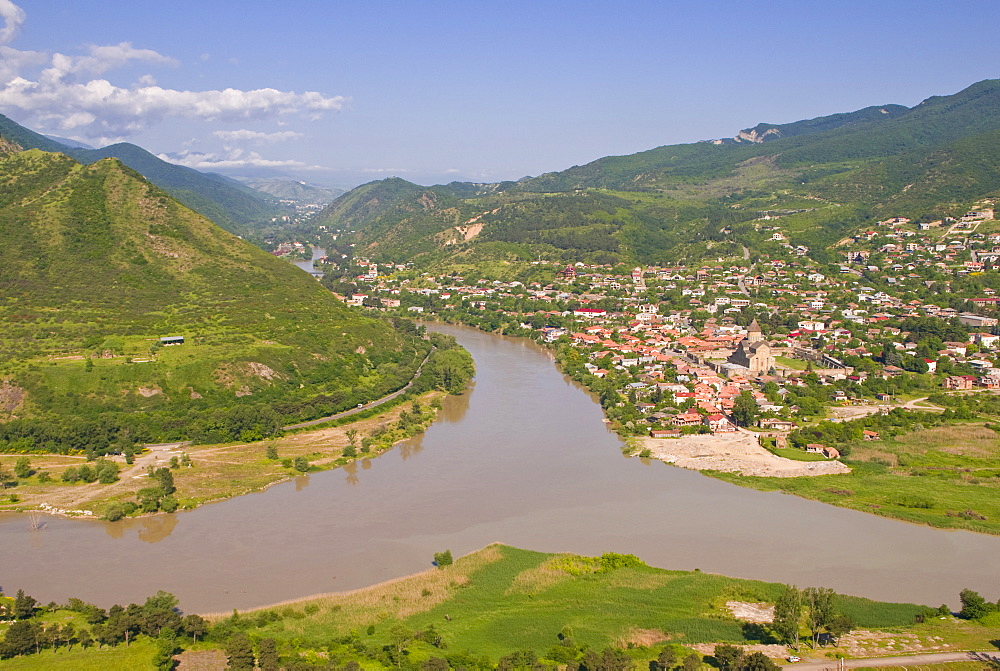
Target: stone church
{"type": "Point", "coordinates": [753, 352]}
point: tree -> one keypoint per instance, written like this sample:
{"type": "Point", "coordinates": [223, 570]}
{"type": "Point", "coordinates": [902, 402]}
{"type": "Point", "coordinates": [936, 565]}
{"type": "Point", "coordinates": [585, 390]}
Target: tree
{"type": "Point", "coordinates": [692, 662]}
{"type": "Point", "coordinates": [840, 625]}
{"type": "Point", "coordinates": [239, 652]}
{"type": "Point", "coordinates": [21, 637]}
{"type": "Point", "coordinates": [820, 602]}
{"type": "Point", "coordinates": [442, 559]}
{"type": "Point", "coordinates": [728, 656]}
{"type": "Point", "coordinates": [352, 437]}
{"type": "Point", "coordinates": [22, 468]}
{"type": "Point", "coordinates": [24, 606]}
{"type": "Point", "coordinates": [166, 648]}
{"type": "Point", "coordinates": [301, 464]}
{"type": "Point", "coordinates": [84, 639]}
{"type": "Point", "coordinates": [165, 479]}
{"type": "Point", "coordinates": [194, 626]}
{"type": "Point", "coordinates": [758, 661]}
{"type": "Point", "coordinates": [666, 660]}
{"type": "Point", "coordinates": [974, 606]}
{"type": "Point", "coordinates": [787, 615]}
{"type": "Point", "coordinates": [745, 409]}
{"type": "Point", "coordinates": [267, 655]}
{"type": "Point", "coordinates": [272, 452]}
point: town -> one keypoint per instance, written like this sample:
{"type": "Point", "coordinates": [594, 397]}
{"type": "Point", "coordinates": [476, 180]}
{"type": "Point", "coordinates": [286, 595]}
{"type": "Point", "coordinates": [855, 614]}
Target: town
{"type": "Point", "coordinates": [905, 310]}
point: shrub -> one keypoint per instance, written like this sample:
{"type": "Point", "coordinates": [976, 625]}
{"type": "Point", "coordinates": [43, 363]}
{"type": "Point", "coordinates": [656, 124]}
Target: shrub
{"type": "Point", "coordinates": [442, 559]}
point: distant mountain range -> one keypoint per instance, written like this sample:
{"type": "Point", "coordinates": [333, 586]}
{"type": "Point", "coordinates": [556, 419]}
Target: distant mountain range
{"type": "Point", "coordinates": [232, 205]}
{"type": "Point", "coordinates": [286, 188]}
{"type": "Point", "coordinates": [816, 179]}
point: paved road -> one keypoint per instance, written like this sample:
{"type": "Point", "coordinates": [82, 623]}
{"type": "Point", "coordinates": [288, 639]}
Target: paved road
{"type": "Point", "coordinates": [366, 406]}
{"type": "Point", "coordinates": [903, 660]}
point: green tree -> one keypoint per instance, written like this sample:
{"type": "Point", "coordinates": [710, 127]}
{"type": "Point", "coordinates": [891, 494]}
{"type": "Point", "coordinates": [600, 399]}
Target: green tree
{"type": "Point", "coordinates": [692, 662]}
{"type": "Point", "coordinates": [820, 603]}
{"type": "Point", "coordinates": [443, 559]}
{"type": "Point", "coordinates": [165, 479]}
{"type": "Point", "coordinates": [166, 648]}
{"type": "Point", "coordinates": [728, 656]}
{"type": "Point", "coordinates": [788, 615]}
{"type": "Point", "coordinates": [22, 468]}
{"type": "Point", "coordinates": [745, 409]}
{"type": "Point", "coordinates": [24, 606]}
{"type": "Point", "coordinates": [301, 464]}
{"type": "Point", "coordinates": [758, 661]}
{"type": "Point", "coordinates": [974, 606]}
{"type": "Point", "coordinates": [666, 660]}
{"type": "Point", "coordinates": [839, 626]}
{"type": "Point", "coordinates": [239, 652]}
{"type": "Point", "coordinates": [194, 626]}
{"type": "Point", "coordinates": [267, 655]}
{"type": "Point", "coordinates": [272, 451]}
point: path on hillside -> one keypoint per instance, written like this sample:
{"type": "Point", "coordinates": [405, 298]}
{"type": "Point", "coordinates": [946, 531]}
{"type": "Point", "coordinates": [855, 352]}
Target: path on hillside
{"type": "Point", "coordinates": [365, 406]}
{"type": "Point", "coordinates": [902, 660]}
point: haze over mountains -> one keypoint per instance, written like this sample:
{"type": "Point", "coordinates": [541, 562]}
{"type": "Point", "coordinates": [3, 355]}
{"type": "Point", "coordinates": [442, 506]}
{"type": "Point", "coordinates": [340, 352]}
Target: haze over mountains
{"type": "Point", "coordinates": [225, 201]}
{"type": "Point", "coordinates": [822, 177]}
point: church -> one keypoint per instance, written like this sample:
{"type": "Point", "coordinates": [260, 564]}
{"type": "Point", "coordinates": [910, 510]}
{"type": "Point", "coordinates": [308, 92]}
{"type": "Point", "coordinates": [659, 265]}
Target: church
{"type": "Point", "coordinates": [753, 352]}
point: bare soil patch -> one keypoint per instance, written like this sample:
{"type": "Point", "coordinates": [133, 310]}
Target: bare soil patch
{"type": "Point", "coordinates": [760, 613]}
{"type": "Point", "coordinates": [734, 453]}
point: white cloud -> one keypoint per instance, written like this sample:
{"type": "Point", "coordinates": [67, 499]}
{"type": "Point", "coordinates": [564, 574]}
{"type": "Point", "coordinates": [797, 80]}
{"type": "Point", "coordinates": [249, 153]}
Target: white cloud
{"type": "Point", "coordinates": [232, 159]}
{"type": "Point", "coordinates": [381, 170]}
{"type": "Point", "coordinates": [65, 94]}
{"type": "Point", "coordinates": [13, 17]}
{"type": "Point", "coordinates": [256, 137]}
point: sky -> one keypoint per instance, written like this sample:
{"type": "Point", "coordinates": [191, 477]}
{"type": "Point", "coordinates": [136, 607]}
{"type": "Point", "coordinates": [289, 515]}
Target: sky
{"type": "Point", "coordinates": [341, 92]}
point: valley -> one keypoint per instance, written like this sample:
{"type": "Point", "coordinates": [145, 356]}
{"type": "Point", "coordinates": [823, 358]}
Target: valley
{"type": "Point", "coordinates": [807, 308]}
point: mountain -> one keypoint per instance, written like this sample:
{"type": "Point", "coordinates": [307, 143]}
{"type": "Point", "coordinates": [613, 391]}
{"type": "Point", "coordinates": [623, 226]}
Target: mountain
{"type": "Point", "coordinates": [818, 179]}
{"type": "Point", "coordinates": [98, 265]}
{"type": "Point", "coordinates": [226, 202]}
{"type": "Point", "coordinates": [286, 188]}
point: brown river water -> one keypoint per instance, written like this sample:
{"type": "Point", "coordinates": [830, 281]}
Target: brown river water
{"type": "Point", "coordinates": [523, 458]}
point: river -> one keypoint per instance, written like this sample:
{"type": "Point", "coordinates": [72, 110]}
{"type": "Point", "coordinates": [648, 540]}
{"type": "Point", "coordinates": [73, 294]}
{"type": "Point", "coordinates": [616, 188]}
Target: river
{"type": "Point", "coordinates": [523, 458]}
{"type": "Point", "coordinates": [309, 266]}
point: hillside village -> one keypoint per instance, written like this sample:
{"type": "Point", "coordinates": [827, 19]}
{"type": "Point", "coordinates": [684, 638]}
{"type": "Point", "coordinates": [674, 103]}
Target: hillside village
{"type": "Point", "coordinates": [767, 343]}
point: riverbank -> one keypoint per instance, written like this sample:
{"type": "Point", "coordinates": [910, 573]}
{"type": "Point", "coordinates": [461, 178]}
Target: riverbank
{"type": "Point", "coordinates": [737, 452]}
{"type": "Point", "coordinates": [210, 473]}
{"type": "Point", "coordinates": [957, 487]}
{"type": "Point", "coordinates": [620, 603]}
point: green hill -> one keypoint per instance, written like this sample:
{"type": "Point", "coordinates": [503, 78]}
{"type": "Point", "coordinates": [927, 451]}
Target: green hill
{"type": "Point", "coordinates": [826, 177]}
{"type": "Point", "coordinates": [98, 265]}
{"type": "Point", "coordinates": [228, 203]}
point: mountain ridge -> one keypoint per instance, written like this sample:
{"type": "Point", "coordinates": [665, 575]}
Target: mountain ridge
{"type": "Point", "coordinates": [233, 206]}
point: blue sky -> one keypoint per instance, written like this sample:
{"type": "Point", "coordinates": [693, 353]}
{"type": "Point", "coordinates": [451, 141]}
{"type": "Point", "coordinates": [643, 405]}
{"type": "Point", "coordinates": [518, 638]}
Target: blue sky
{"type": "Point", "coordinates": [345, 92]}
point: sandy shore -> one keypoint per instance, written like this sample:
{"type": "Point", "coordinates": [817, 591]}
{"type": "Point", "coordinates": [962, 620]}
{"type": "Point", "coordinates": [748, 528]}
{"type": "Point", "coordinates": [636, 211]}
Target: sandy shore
{"type": "Point", "coordinates": [733, 453]}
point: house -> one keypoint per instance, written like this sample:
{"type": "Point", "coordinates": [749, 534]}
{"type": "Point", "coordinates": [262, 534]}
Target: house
{"type": "Point", "coordinates": [831, 453]}
{"type": "Point", "coordinates": [687, 419]}
{"type": "Point", "coordinates": [959, 382]}
{"type": "Point", "coordinates": [870, 435]}
{"type": "Point", "coordinates": [172, 340]}
{"type": "Point", "coordinates": [665, 433]}
{"type": "Point", "coordinates": [815, 448]}
{"type": "Point", "coordinates": [719, 423]}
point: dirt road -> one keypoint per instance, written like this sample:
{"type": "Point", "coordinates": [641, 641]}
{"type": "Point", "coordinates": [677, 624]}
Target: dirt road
{"type": "Point", "coordinates": [902, 660]}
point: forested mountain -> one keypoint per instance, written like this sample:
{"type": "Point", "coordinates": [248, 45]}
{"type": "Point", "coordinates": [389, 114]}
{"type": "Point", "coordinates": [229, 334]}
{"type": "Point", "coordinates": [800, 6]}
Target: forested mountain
{"type": "Point", "coordinates": [228, 203]}
{"type": "Point", "coordinates": [98, 265]}
{"type": "Point", "coordinates": [820, 178]}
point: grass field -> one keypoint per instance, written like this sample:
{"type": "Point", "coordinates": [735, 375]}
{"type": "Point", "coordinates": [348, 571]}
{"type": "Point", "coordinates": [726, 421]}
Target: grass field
{"type": "Point", "coordinates": [502, 599]}
{"type": "Point", "coordinates": [946, 476]}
